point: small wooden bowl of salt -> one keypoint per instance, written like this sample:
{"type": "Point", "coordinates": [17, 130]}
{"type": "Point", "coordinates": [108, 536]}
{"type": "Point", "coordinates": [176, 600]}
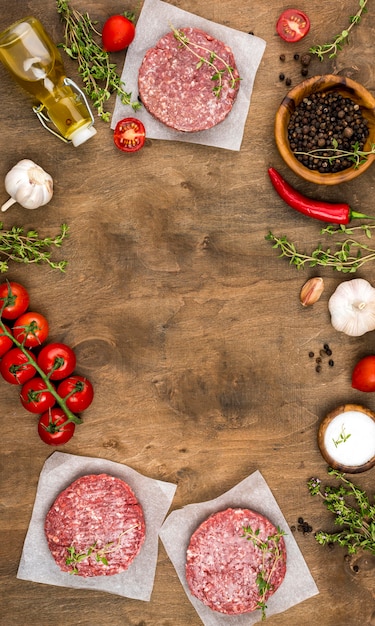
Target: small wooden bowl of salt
{"type": "Point", "coordinates": [346, 438]}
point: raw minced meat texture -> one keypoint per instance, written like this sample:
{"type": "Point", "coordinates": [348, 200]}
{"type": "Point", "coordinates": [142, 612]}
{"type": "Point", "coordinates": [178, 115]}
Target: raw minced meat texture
{"type": "Point", "coordinates": [180, 94]}
{"type": "Point", "coordinates": [97, 512]}
{"type": "Point", "coordinates": [222, 565]}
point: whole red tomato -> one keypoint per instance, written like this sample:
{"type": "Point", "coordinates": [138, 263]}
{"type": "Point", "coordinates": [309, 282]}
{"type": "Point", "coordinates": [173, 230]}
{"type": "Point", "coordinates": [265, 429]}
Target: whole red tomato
{"type": "Point", "coordinates": [31, 329]}
{"type": "Point", "coordinates": [35, 397]}
{"type": "Point", "coordinates": [363, 376]}
{"type": "Point", "coordinates": [15, 366]}
{"type": "Point", "coordinates": [57, 360]}
{"type": "Point", "coordinates": [54, 427]}
{"type": "Point", "coordinates": [5, 342]}
{"type": "Point", "coordinates": [118, 33]}
{"type": "Point", "coordinates": [15, 299]}
{"type": "Point", "coordinates": [77, 391]}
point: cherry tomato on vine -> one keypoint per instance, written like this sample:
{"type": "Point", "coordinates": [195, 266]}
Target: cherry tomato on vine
{"type": "Point", "coordinates": [35, 397]}
{"type": "Point", "coordinates": [16, 368]}
{"type": "Point", "coordinates": [292, 25]}
{"type": "Point", "coordinates": [31, 329]}
{"type": "Point", "coordinates": [15, 298]}
{"type": "Point", "coordinates": [57, 360]}
{"type": "Point", "coordinates": [77, 391]}
{"type": "Point", "coordinates": [54, 427]}
{"type": "Point", "coordinates": [363, 376]}
{"type": "Point", "coordinates": [129, 134]}
{"type": "Point", "coordinates": [5, 342]}
{"type": "Point", "coordinates": [118, 33]}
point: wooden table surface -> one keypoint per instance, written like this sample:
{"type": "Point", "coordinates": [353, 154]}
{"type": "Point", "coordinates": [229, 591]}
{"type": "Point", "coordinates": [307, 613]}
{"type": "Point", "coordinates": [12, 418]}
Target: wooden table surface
{"type": "Point", "coordinates": [186, 321]}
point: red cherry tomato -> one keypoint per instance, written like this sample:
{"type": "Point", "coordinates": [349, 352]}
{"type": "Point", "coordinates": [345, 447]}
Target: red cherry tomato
{"type": "Point", "coordinates": [5, 342]}
{"type": "Point", "coordinates": [77, 391]}
{"type": "Point", "coordinates": [129, 135]}
{"type": "Point", "coordinates": [293, 25]}
{"type": "Point", "coordinates": [363, 376]}
{"type": "Point", "coordinates": [31, 329]}
{"type": "Point", "coordinates": [35, 397]}
{"type": "Point", "coordinates": [15, 299]}
{"type": "Point", "coordinates": [15, 367]}
{"type": "Point", "coordinates": [57, 360]}
{"type": "Point", "coordinates": [118, 33]}
{"type": "Point", "coordinates": [54, 427]}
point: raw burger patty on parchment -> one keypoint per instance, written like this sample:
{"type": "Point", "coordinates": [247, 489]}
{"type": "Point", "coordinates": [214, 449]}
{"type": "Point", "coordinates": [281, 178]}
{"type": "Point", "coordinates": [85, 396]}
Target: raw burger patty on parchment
{"type": "Point", "coordinates": [177, 92]}
{"type": "Point", "coordinates": [222, 565]}
{"type": "Point", "coordinates": [97, 512]}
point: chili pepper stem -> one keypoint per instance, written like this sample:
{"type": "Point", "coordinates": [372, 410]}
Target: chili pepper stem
{"type": "Point", "coordinates": [354, 215]}
{"type": "Point", "coordinates": [61, 402]}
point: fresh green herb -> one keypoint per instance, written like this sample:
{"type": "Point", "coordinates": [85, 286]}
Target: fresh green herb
{"type": "Point", "coordinates": [29, 248]}
{"type": "Point", "coordinates": [353, 511]}
{"type": "Point", "coordinates": [99, 75]}
{"type": "Point", "coordinates": [270, 549]}
{"type": "Point", "coordinates": [100, 554]}
{"type": "Point", "coordinates": [343, 436]}
{"type": "Point", "coordinates": [211, 60]}
{"type": "Point", "coordinates": [348, 258]}
{"type": "Point", "coordinates": [356, 156]}
{"type": "Point", "coordinates": [336, 45]}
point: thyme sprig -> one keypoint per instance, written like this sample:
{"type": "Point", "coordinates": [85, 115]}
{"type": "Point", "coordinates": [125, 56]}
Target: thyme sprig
{"type": "Point", "coordinates": [356, 156]}
{"type": "Point", "coordinates": [270, 550]}
{"type": "Point", "coordinates": [210, 60]}
{"type": "Point", "coordinates": [99, 75]}
{"type": "Point", "coordinates": [29, 247]}
{"type": "Point", "coordinates": [353, 511]}
{"type": "Point", "coordinates": [100, 554]}
{"type": "Point", "coordinates": [348, 258]}
{"type": "Point", "coordinates": [343, 436]}
{"type": "Point", "coordinates": [336, 45]}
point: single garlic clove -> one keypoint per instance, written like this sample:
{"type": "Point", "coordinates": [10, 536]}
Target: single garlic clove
{"type": "Point", "coordinates": [311, 291]}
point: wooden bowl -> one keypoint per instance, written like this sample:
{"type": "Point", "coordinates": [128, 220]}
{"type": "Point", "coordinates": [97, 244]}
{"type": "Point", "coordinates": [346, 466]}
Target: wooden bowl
{"type": "Point", "coordinates": [318, 84]}
{"type": "Point", "coordinates": [356, 417]}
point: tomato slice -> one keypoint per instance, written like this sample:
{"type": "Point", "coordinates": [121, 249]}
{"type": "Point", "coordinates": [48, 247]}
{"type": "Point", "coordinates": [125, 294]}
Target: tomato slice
{"type": "Point", "coordinates": [293, 25]}
{"type": "Point", "coordinates": [129, 135]}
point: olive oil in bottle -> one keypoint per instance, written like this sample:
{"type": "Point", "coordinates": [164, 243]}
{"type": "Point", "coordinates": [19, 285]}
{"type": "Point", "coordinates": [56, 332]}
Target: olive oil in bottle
{"type": "Point", "coordinates": [35, 63]}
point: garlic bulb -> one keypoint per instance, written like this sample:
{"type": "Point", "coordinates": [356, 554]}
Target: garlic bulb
{"type": "Point", "coordinates": [352, 307]}
{"type": "Point", "coordinates": [29, 185]}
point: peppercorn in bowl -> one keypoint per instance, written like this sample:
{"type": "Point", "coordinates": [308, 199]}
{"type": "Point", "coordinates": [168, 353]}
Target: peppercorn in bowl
{"type": "Point", "coordinates": [325, 129]}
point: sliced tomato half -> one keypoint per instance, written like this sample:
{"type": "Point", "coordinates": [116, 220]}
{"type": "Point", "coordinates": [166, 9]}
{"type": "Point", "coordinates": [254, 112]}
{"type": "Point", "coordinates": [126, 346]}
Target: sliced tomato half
{"type": "Point", "coordinates": [293, 25]}
{"type": "Point", "coordinates": [129, 134]}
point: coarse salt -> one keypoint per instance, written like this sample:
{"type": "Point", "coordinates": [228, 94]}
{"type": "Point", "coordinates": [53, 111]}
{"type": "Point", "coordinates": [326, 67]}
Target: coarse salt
{"type": "Point", "coordinates": [350, 438]}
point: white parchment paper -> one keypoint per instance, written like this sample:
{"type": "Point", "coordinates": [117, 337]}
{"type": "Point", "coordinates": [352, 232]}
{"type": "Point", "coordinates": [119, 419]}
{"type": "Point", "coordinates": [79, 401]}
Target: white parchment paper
{"type": "Point", "coordinates": [253, 493]}
{"type": "Point", "coordinates": [58, 472]}
{"type": "Point", "coordinates": [154, 22]}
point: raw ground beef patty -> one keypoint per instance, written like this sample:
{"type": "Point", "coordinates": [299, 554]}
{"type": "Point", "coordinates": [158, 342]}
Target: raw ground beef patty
{"type": "Point", "coordinates": [177, 92]}
{"type": "Point", "coordinates": [98, 512]}
{"type": "Point", "coordinates": [222, 565]}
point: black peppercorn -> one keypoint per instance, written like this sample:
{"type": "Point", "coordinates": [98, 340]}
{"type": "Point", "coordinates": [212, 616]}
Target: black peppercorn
{"type": "Point", "coordinates": [304, 71]}
{"type": "Point", "coordinates": [281, 76]}
{"type": "Point", "coordinates": [296, 57]}
{"type": "Point", "coordinates": [282, 57]}
{"type": "Point", "coordinates": [288, 81]}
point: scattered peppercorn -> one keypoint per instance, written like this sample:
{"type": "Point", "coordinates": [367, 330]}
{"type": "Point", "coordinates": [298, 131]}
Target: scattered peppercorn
{"type": "Point", "coordinates": [304, 71]}
{"type": "Point", "coordinates": [355, 568]}
{"type": "Point", "coordinates": [331, 363]}
{"type": "Point", "coordinates": [296, 57]}
{"type": "Point", "coordinates": [305, 60]}
{"type": "Point", "coordinates": [288, 81]}
{"type": "Point", "coordinates": [318, 369]}
{"type": "Point", "coordinates": [282, 57]}
{"type": "Point", "coordinates": [303, 526]}
{"type": "Point", "coordinates": [281, 76]}
{"type": "Point", "coordinates": [311, 355]}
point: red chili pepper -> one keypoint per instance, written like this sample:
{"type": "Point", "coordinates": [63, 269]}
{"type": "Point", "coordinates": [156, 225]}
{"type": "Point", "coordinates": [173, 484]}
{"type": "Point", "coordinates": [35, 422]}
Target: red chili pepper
{"type": "Point", "coordinates": [339, 213]}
